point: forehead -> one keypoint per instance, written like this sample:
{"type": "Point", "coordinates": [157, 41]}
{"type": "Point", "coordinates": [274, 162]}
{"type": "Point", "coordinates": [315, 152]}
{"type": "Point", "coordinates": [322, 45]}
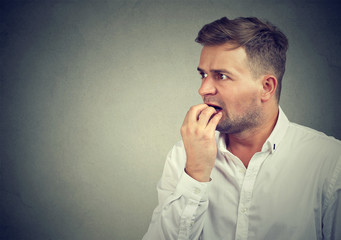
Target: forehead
{"type": "Point", "coordinates": [225, 56]}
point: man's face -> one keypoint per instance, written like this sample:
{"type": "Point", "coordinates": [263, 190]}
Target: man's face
{"type": "Point", "coordinates": [229, 86]}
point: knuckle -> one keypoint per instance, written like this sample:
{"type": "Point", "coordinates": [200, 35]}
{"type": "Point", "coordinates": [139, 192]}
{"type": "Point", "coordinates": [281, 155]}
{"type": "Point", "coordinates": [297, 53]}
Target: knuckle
{"type": "Point", "coordinates": [192, 108]}
{"type": "Point", "coordinates": [197, 132]}
{"type": "Point", "coordinates": [210, 110]}
{"type": "Point", "coordinates": [196, 107]}
{"type": "Point", "coordinates": [207, 136]}
{"type": "Point", "coordinates": [206, 113]}
{"type": "Point", "coordinates": [182, 130]}
{"type": "Point", "coordinates": [186, 130]}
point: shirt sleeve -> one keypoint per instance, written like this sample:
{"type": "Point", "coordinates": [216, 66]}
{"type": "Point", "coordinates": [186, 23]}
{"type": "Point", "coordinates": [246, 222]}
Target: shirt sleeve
{"type": "Point", "coordinates": [183, 202]}
{"type": "Point", "coordinates": [332, 214]}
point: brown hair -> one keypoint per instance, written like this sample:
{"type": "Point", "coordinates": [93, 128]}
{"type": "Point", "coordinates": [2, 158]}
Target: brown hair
{"type": "Point", "coordinates": [264, 44]}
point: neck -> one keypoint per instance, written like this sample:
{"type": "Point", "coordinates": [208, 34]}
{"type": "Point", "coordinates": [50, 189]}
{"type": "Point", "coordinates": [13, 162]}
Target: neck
{"type": "Point", "coordinates": [245, 144]}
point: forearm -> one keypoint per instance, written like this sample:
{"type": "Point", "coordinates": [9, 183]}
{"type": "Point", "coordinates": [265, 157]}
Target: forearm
{"type": "Point", "coordinates": [183, 198]}
{"type": "Point", "coordinates": [181, 215]}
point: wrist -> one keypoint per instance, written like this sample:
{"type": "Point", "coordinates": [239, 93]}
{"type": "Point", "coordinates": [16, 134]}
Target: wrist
{"type": "Point", "coordinates": [199, 175]}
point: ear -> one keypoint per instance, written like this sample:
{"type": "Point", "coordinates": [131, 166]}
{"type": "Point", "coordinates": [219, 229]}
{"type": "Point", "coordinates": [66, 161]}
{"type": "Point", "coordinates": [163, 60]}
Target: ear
{"type": "Point", "coordinates": [269, 84]}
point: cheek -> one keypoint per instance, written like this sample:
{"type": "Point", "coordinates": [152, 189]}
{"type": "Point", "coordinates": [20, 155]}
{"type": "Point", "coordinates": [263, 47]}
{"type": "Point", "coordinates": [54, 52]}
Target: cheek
{"type": "Point", "coordinates": [240, 101]}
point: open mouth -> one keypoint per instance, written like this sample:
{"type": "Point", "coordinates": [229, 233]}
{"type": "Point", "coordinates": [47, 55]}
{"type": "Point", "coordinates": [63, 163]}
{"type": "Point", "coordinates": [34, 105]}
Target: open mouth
{"type": "Point", "coordinates": [215, 107]}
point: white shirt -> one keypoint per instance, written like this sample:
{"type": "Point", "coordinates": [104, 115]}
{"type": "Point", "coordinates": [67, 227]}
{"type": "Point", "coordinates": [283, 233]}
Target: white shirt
{"type": "Point", "coordinates": [291, 190]}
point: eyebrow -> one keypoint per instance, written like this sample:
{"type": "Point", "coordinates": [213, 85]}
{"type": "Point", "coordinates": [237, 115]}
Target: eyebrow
{"type": "Point", "coordinates": [216, 71]}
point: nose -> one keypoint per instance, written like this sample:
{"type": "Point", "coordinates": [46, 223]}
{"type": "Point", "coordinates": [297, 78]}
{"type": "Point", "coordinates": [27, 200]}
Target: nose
{"type": "Point", "coordinates": [207, 87]}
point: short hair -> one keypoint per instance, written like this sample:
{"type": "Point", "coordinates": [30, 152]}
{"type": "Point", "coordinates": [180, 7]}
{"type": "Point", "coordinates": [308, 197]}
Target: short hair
{"type": "Point", "coordinates": [265, 45]}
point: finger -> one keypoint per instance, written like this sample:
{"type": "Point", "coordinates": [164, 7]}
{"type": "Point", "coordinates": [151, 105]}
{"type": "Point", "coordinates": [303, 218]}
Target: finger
{"type": "Point", "coordinates": [194, 112]}
{"type": "Point", "coordinates": [212, 125]}
{"type": "Point", "coordinates": [205, 116]}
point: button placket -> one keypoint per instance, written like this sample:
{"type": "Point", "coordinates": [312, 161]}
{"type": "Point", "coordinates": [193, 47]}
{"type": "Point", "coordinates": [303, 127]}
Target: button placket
{"type": "Point", "coordinates": [246, 195]}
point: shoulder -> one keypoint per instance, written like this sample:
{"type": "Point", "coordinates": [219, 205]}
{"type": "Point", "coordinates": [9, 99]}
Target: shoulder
{"type": "Point", "coordinates": [313, 152]}
{"type": "Point", "coordinates": [313, 140]}
{"type": "Point", "coordinates": [317, 154]}
{"type": "Point", "coordinates": [310, 148]}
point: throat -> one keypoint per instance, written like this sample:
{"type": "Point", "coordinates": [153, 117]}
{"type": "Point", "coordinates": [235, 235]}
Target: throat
{"type": "Point", "coordinates": [244, 154]}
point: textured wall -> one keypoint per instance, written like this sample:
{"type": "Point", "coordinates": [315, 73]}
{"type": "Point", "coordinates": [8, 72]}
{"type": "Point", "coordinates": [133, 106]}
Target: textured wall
{"type": "Point", "coordinates": [93, 95]}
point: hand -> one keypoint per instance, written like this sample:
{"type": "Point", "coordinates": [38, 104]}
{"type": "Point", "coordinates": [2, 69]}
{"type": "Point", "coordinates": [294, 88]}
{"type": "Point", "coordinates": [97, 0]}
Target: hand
{"type": "Point", "coordinates": [198, 135]}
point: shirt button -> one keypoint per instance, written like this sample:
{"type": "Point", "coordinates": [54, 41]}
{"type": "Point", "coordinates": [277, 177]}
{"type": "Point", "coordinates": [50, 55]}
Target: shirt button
{"type": "Point", "coordinates": [241, 170]}
{"type": "Point", "coordinates": [244, 210]}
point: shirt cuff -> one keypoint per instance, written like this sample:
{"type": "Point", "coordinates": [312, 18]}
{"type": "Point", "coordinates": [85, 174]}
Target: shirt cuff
{"type": "Point", "coordinates": [191, 188]}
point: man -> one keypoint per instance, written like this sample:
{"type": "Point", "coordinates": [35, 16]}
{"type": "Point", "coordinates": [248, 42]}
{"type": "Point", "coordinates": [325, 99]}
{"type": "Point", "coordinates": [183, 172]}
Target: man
{"type": "Point", "coordinates": [258, 176]}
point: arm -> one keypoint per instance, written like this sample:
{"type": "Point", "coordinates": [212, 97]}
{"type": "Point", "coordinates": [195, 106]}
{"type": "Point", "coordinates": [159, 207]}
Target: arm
{"type": "Point", "coordinates": [332, 214]}
{"type": "Point", "coordinates": [183, 198]}
{"type": "Point", "coordinates": [182, 204]}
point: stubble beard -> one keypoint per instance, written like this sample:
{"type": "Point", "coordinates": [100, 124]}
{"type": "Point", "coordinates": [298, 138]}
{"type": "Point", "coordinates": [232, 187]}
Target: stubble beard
{"type": "Point", "coordinates": [240, 123]}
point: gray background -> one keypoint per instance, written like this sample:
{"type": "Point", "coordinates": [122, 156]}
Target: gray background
{"type": "Point", "coordinates": [93, 95]}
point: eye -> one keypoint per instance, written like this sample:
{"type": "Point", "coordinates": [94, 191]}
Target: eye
{"type": "Point", "coordinates": [203, 75]}
{"type": "Point", "coordinates": [221, 76]}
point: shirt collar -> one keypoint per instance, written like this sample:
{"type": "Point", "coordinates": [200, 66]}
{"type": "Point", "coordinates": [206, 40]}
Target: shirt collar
{"type": "Point", "coordinates": [277, 133]}
{"type": "Point", "coordinates": [273, 141]}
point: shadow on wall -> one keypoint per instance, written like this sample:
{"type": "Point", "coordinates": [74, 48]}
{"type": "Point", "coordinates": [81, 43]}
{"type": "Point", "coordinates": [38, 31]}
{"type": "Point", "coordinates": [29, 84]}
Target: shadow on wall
{"type": "Point", "coordinates": [93, 95]}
